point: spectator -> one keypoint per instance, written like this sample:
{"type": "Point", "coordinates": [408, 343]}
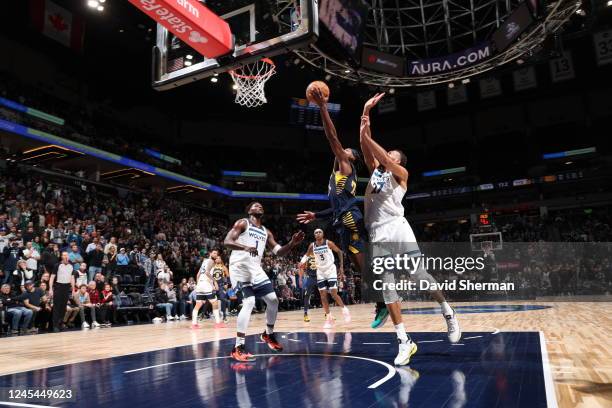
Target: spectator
{"type": "Point", "coordinates": [162, 302]}
{"type": "Point", "coordinates": [108, 301]}
{"type": "Point", "coordinates": [19, 315]}
{"type": "Point", "coordinates": [12, 254]}
{"type": "Point", "coordinates": [72, 311]}
{"type": "Point", "coordinates": [32, 256]}
{"type": "Point", "coordinates": [185, 302]}
{"type": "Point", "coordinates": [95, 259]}
{"type": "Point", "coordinates": [83, 302]}
{"type": "Point", "coordinates": [19, 276]}
{"type": "Point", "coordinates": [100, 309]}
{"type": "Point", "coordinates": [172, 298]}
{"type": "Point", "coordinates": [32, 299]}
{"type": "Point", "coordinates": [75, 256]}
{"type": "Point", "coordinates": [50, 257]}
{"type": "Point", "coordinates": [81, 276]}
{"type": "Point", "coordinates": [112, 244]}
{"type": "Point", "coordinates": [110, 260]}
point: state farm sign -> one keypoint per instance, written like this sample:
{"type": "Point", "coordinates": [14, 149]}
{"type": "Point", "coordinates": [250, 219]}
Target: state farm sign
{"type": "Point", "coordinates": [193, 23]}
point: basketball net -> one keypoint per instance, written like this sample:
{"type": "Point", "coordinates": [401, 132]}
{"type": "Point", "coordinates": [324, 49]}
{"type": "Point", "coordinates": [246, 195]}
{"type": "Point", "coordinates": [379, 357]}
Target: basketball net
{"type": "Point", "coordinates": [250, 81]}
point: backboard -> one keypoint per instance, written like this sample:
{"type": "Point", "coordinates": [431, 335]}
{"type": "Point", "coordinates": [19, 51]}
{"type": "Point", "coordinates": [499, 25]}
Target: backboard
{"type": "Point", "coordinates": [261, 29]}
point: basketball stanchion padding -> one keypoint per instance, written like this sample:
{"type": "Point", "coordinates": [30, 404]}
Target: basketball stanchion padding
{"type": "Point", "coordinates": [250, 81]}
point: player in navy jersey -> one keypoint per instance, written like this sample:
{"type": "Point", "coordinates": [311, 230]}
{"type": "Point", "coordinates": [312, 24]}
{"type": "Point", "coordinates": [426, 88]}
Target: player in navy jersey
{"type": "Point", "coordinates": [308, 273]}
{"type": "Point", "coordinates": [345, 214]}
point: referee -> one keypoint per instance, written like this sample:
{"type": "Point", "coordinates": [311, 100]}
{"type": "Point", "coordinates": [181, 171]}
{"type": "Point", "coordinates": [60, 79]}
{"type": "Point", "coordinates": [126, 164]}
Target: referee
{"type": "Point", "coordinates": [62, 284]}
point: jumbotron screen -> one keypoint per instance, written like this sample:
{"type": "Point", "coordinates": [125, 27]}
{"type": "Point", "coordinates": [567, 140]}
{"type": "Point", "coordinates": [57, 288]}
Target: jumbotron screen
{"type": "Point", "coordinates": [345, 19]}
{"type": "Point", "coordinates": [308, 114]}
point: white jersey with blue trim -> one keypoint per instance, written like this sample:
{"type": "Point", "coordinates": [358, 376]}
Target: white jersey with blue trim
{"type": "Point", "coordinates": [204, 284]}
{"type": "Point", "coordinates": [324, 256]}
{"type": "Point", "coordinates": [253, 236]}
{"type": "Point", "coordinates": [383, 199]}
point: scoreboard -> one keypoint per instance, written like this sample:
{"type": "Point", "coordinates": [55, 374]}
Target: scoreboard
{"type": "Point", "coordinates": [308, 114]}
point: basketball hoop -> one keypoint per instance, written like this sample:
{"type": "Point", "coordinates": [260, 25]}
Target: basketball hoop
{"type": "Point", "coordinates": [250, 80]}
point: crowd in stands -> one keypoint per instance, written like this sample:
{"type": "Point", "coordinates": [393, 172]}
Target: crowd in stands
{"type": "Point", "coordinates": [132, 258]}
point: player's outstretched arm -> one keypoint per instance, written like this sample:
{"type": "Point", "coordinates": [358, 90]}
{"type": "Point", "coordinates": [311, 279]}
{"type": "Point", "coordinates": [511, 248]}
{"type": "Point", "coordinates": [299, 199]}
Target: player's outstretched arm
{"type": "Point", "coordinates": [340, 256]}
{"type": "Point", "coordinates": [331, 134]}
{"type": "Point", "coordinates": [309, 216]}
{"type": "Point", "coordinates": [365, 132]}
{"type": "Point", "coordinates": [285, 249]}
{"type": "Point", "coordinates": [231, 239]}
{"type": "Point", "coordinates": [383, 158]}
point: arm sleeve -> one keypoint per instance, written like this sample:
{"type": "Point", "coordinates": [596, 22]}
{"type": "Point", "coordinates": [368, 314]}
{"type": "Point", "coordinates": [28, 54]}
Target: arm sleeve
{"type": "Point", "coordinates": [304, 259]}
{"type": "Point", "coordinates": [327, 213]}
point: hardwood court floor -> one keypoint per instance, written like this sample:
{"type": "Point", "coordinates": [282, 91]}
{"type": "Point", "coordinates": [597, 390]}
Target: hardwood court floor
{"type": "Point", "coordinates": [579, 347]}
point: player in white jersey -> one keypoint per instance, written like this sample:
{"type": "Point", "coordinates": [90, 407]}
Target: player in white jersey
{"type": "Point", "coordinates": [385, 222]}
{"type": "Point", "coordinates": [327, 277]}
{"type": "Point", "coordinates": [248, 239]}
{"type": "Point", "coordinates": [206, 288]}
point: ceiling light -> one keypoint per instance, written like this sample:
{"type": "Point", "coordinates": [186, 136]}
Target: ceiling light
{"type": "Point", "coordinates": [214, 80]}
{"type": "Point", "coordinates": [189, 56]}
{"type": "Point", "coordinates": [569, 162]}
{"type": "Point", "coordinates": [187, 63]}
{"type": "Point", "coordinates": [609, 4]}
{"type": "Point", "coordinates": [451, 85]}
{"type": "Point", "coordinates": [101, 1]}
{"type": "Point", "coordinates": [347, 71]}
{"type": "Point", "coordinates": [328, 76]}
{"type": "Point", "coordinates": [100, 8]}
{"type": "Point", "coordinates": [235, 87]}
{"type": "Point", "coordinates": [93, 3]}
{"type": "Point", "coordinates": [465, 81]}
{"type": "Point", "coordinates": [581, 12]}
{"type": "Point", "coordinates": [391, 91]}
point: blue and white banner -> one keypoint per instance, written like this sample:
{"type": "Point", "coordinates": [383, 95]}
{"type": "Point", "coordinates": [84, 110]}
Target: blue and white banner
{"type": "Point", "coordinates": [451, 62]}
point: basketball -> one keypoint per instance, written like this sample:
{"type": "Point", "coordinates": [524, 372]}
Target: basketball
{"type": "Point", "coordinates": [317, 84]}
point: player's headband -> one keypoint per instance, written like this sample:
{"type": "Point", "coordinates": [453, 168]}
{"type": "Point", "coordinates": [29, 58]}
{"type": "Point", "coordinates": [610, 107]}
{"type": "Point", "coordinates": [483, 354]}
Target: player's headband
{"type": "Point", "coordinates": [318, 230]}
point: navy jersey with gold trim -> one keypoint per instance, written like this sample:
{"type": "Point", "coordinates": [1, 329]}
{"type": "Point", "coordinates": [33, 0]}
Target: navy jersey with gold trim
{"type": "Point", "coordinates": [341, 193]}
{"type": "Point", "coordinates": [311, 266]}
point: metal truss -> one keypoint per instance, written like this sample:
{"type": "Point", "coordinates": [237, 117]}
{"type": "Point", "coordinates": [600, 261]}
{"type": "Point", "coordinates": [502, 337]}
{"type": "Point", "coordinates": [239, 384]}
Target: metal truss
{"type": "Point", "coordinates": [418, 29]}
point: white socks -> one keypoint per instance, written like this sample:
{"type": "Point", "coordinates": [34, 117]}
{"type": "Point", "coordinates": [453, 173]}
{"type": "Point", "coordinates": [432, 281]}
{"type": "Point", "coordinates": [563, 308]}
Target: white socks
{"type": "Point", "coordinates": [446, 309]}
{"type": "Point", "coordinates": [239, 341]}
{"type": "Point", "coordinates": [216, 315]}
{"type": "Point", "coordinates": [401, 333]}
{"type": "Point", "coordinates": [194, 316]}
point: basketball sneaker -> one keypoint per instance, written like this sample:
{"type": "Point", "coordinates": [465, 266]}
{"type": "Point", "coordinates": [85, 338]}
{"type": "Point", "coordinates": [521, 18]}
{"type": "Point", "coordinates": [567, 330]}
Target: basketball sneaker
{"type": "Point", "coordinates": [381, 316]}
{"type": "Point", "coordinates": [306, 317]}
{"type": "Point", "coordinates": [346, 314]}
{"type": "Point", "coordinates": [240, 354]}
{"type": "Point", "coordinates": [270, 340]}
{"type": "Point", "coordinates": [453, 329]}
{"type": "Point", "coordinates": [406, 350]}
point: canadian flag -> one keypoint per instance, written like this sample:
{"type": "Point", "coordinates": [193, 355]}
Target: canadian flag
{"type": "Point", "coordinates": [58, 23]}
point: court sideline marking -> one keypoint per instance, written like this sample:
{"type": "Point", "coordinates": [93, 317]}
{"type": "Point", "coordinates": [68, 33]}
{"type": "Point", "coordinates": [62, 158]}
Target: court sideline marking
{"type": "Point", "coordinates": [551, 395]}
{"type": "Point", "coordinates": [391, 370]}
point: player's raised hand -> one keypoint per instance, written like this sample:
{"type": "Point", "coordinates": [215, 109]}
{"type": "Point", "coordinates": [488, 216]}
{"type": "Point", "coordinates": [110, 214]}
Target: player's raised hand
{"type": "Point", "coordinates": [297, 237]}
{"type": "Point", "coordinates": [305, 217]}
{"type": "Point", "coordinates": [317, 97]}
{"type": "Point", "coordinates": [372, 102]}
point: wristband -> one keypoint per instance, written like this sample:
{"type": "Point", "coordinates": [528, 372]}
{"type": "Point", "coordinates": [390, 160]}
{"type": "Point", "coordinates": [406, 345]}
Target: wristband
{"type": "Point", "coordinates": [276, 249]}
